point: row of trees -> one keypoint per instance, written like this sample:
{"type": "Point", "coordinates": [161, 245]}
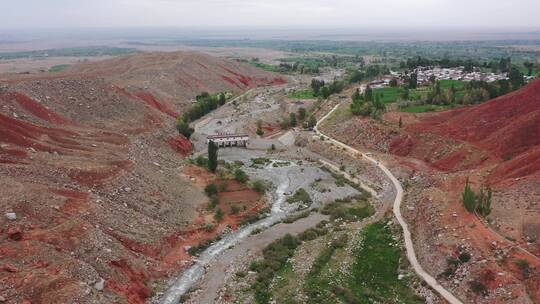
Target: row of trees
{"type": "Point", "coordinates": [299, 118]}
{"type": "Point", "coordinates": [479, 203]}
{"type": "Point", "coordinates": [204, 105]}
{"type": "Point", "coordinates": [324, 90]}
{"type": "Point", "coordinates": [367, 104]}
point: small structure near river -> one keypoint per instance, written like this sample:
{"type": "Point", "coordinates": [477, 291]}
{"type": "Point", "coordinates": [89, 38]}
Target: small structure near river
{"type": "Point", "coordinates": [229, 140]}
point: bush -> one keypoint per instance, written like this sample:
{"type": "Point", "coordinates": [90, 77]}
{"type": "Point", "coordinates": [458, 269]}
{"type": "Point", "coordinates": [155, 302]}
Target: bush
{"type": "Point", "coordinates": [183, 128]}
{"type": "Point", "coordinates": [241, 176]}
{"type": "Point", "coordinates": [275, 256]}
{"type": "Point", "coordinates": [209, 227]}
{"type": "Point", "coordinates": [464, 257]}
{"type": "Point", "coordinates": [301, 196]}
{"type": "Point", "coordinates": [214, 201]}
{"type": "Point", "coordinates": [259, 186]}
{"type": "Point", "coordinates": [524, 267]}
{"type": "Point", "coordinates": [478, 287]}
{"type": "Point", "coordinates": [211, 190]}
{"type": "Point", "coordinates": [235, 209]}
{"type": "Point", "coordinates": [201, 161]}
{"type": "Point", "coordinates": [218, 215]}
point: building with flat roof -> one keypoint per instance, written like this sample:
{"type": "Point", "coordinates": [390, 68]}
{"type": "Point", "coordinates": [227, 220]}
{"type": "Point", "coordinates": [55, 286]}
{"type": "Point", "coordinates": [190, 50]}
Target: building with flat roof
{"type": "Point", "coordinates": [229, 140]}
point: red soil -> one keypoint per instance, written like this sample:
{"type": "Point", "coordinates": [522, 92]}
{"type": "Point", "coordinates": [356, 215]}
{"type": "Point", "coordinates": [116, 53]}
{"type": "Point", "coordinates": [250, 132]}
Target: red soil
{"type": "Point", "coordinates": [181, 145]}
{"type": "Point", "coordinates": [231, 81]}
{"type": "Point", "coordinates": [38, 110]}
{"type": "Point", "coordinates": [134, 288]}
{"type": "Point", "coordinates": [66, 199]}
{"type": "Point", "coordinates": [504, 127]}
{"type": "Point", "coordinates": [154, 103]}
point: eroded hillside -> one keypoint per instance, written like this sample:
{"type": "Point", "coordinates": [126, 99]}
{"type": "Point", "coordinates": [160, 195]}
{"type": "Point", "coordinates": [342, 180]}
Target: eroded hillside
{"type": "Point", "coordinates": [91, 187]}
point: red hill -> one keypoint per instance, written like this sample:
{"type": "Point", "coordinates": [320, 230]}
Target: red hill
{"type": "Point", "coordinates": [507, 128]}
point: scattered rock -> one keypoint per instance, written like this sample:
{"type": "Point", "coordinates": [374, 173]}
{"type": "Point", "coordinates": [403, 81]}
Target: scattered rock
{"type": "Point", "coordinates": [2, 299]}
{"type": "Point", "coordinates": [15, 233]}
{"type": "Point", "coordinates": [11, 216]}
{"type": "Point", "coordinates": [100, 284]}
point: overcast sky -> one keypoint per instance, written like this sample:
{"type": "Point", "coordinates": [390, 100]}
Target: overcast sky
{"type": "Point", "coordinates": [499, 14]}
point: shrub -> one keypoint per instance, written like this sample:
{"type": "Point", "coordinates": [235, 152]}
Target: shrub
{"type": "Point", "coordinates": [464, 257]}
{"type": "Point", "coordinates": [211, 190]}
{"type": "Point", "coordinates": [183, 128]}
{"type": "Point", "coordinates": [301, 196]}
{"type": "Point", "coordinates": [209, 227]}
{"type": "Point", "coordinates": [235, 209]}
{"type": "Point", "coordinates": [478, 287]}
{"type": "Point", "coordinates": [201, 161]}
{"type": "Point", "coordinates": [241, 176]}
{"type": "Point", "coordinates": [259, 186]}
{"type": "Point", "coordinates": [218, 215]}
{"type": "Point", "coordinates": [214, 201]}
{"type": "Point", "coordinates": [524, 267]}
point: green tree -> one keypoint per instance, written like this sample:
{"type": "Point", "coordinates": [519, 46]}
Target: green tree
{"type": "Point", "coordinates": [516, 78]}
{"type": "Point", "coordinates": [368, 94]}
{"type": "Point", "coordinates": [356, 95]}
{"type": "Point", "coordinates": [404, 93]}
{"type": "Point", "coordinates": [212, 156]}
{"type": "Point", "coordinates": [529, 66]}
{"type": "Point", "coordinates": [316, 86]}
{"type": "Point", "coordinates": [413, 81]}
{"type": "Point", "coordinates": [218, 215]}
{"type": "Point", "coordinates": [221, 99]}
{"type": "Point", "coordinates": [325, 92]}
{"type": "Point", "coordinates": [302, 114]}
{"type": "Point", "coordinates": [312, 122]}
{"type": "Point", "coordinates": [292, 119]}
{"type": "Point", "coordinates": [393, 82]}
{"type": "Point", "coordinates": [469, 197]}
{"type": "Point", "coordinates": [183, 128]}
{"type": "Point", "coordinates": [484, 201]}
{"type": "Point", "coordinates": [211, 189]}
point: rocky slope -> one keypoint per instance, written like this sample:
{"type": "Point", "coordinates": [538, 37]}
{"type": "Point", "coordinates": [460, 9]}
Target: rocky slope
{"type": "Point", "coordinates": [92, 198]}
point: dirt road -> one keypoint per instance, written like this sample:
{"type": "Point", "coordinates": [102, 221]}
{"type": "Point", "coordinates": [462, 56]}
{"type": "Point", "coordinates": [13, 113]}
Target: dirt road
{"type": "Point", "coordinates": [411, 255]}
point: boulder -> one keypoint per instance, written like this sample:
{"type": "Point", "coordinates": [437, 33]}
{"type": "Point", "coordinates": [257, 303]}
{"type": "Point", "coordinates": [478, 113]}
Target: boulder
{"type": "Point", "coordinates": [11, 216]}
{"type": "Point", "coordinates": [100, 284]}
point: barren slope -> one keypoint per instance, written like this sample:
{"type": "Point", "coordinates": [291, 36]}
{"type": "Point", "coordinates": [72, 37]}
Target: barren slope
{"type": "Point", "coordinates": [89, 163]}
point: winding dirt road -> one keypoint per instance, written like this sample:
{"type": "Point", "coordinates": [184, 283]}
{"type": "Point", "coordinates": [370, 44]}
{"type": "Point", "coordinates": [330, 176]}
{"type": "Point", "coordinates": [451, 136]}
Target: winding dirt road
{"type": "Point", "coordinates": [411, 255]}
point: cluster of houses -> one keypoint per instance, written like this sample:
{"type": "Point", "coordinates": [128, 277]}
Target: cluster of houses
{"type": "Point", "coordinates": [424, 74]}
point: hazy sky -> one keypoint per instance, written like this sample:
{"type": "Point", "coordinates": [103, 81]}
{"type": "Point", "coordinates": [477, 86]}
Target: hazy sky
{"type": "Point", "coordinates": [270, 13]}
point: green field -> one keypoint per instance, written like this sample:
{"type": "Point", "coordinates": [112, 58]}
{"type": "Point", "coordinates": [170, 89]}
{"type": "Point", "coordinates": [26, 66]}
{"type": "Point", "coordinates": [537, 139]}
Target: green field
{"type": "Point", "coordinates": [59, 68]}
{"type": "Point", "coordinates": [389, 95]}
{"type": "Point", "coordinates": [375, 270]}
{"type": "Point", "coordinates": [458, 84]}
{"type": "Point", "coordinates": [302, 94]}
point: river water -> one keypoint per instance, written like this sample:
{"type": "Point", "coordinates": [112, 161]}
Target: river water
{"type": "Point", "coordinates": [195, 272]}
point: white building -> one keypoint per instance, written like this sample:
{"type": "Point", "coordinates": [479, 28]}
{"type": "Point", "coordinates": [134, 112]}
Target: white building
{"type": "Point", "coordinates": [228, 140]}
